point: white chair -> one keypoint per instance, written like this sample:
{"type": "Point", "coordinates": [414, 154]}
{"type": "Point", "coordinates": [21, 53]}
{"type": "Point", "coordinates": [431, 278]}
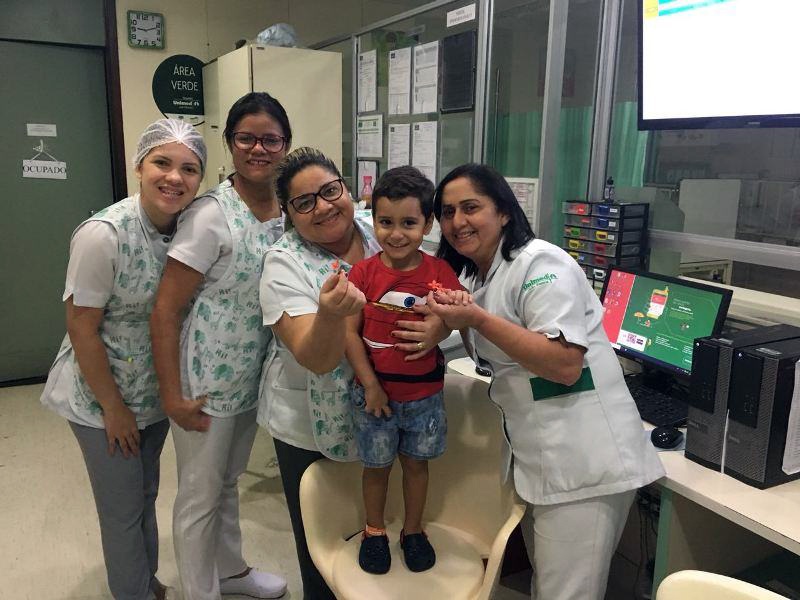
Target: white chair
{"type": "Point", "coordinates": [469, 515]}
{"type": "Point", "coordinates": [701, 585]}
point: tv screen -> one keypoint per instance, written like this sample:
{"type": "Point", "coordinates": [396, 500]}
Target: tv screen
{"type": "Point", "coordinates": [718, 63]}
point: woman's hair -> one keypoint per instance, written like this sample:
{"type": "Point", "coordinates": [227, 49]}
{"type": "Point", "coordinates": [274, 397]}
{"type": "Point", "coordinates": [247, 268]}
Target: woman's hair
{"type": "Point", "coordinates": [516, 232]}
{"type": "Point", "coordinates": [252, 104]}
{"type": "Point", "coordinates": [296, 161]}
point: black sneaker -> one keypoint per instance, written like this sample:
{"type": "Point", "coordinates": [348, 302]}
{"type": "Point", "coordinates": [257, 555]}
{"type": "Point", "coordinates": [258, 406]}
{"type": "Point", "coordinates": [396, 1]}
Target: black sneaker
{"type": "Point", "coordinates": [417, 551]}
{"type": "Point", "coordinates": [374, 556]}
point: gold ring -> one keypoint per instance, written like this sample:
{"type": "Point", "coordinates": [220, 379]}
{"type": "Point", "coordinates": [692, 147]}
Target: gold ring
{"type": "Point", "coordinates": [420, 345]}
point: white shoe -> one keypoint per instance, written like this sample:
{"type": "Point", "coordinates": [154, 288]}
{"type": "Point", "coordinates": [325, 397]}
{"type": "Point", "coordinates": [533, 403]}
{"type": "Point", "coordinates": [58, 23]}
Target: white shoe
{"type": "Point", "coordinates": [256, 584]}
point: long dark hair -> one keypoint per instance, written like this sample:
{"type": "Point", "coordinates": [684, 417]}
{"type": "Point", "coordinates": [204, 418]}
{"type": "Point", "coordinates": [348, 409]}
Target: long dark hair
{"type": "Point", "coordinates": [516, 232]}
{"type": "Point", "coordinates": [253, 104]}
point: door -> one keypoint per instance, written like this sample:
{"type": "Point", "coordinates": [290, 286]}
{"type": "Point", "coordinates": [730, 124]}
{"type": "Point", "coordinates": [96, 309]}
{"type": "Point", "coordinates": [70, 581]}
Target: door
{"type": "Point", "coordinates": [65, 87]}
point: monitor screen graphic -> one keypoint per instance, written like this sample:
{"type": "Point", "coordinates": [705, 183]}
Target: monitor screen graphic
{"type": "Point", "coordinates": [656, 319]}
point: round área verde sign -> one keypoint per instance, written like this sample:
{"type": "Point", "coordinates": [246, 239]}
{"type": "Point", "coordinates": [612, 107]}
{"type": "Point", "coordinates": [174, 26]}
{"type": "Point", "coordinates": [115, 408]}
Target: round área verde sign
{"type": "Point", "coordinates": [178, 88]}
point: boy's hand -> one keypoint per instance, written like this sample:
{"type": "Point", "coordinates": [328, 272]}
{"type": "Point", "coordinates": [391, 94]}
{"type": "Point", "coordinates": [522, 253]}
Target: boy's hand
{"type": "Point", "coordinates": [457, 316]}
{"type": "Point", "coordinates": [377, 401]}
{"type": "Point", "coordinates": [459, 297]}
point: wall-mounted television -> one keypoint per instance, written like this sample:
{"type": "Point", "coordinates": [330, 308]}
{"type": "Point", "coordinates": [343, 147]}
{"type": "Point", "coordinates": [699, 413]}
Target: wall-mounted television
{"type": "Point", "coordinates": [718, 63]}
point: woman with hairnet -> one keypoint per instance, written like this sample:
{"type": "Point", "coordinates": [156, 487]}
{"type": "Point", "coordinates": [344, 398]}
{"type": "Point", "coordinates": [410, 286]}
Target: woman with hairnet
{"type": "Point", "coordinates": [102, 380]}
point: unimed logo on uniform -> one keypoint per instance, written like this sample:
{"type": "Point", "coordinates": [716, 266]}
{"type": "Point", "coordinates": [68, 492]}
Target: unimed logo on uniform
{"type": "Point", "coordinates": [541, 280]}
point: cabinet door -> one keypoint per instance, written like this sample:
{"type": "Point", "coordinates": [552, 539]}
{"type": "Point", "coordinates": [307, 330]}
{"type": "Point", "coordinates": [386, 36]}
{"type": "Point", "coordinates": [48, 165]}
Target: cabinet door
{"type": "Point", "coordinates": [65, 87]}
{"type": "Point", "coordinates": [225, 80]}
{"type": "Point", "coordinates": [309, 85]}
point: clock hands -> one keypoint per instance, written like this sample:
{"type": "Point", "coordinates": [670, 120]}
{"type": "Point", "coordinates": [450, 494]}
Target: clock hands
{"type": "Point", "coordinates": [146, 29]}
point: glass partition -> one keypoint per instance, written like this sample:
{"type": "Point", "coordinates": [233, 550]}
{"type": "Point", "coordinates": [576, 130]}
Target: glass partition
{"type": "Point", "coordinates": [516, 86]}
{"type": "Point", "coordinates": [576, 116]}
{"type": "Point", "coordinates": [345, 48]}
{"type": "Point", "coordinates": [454, 130]}
{"type": "Point", "coordinates": [515, 108]}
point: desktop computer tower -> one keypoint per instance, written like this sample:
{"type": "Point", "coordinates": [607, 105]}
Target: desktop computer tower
{"type": "Point", "coordinates": [760, 403]}
{"type": "Point", "coordinates": [709, 387]}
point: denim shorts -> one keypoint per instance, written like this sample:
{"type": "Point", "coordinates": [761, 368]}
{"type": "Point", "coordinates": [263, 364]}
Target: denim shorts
{"type": "Point", "coordinates": [417, 429]}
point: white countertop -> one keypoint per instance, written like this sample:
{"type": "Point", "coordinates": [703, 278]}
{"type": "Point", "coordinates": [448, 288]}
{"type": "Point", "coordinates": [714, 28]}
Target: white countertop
{"type": "Point", "coordinates": [774, 513]}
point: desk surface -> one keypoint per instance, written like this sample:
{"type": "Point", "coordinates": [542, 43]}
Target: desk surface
{"type": "Point", "coordinates": [774, 513]}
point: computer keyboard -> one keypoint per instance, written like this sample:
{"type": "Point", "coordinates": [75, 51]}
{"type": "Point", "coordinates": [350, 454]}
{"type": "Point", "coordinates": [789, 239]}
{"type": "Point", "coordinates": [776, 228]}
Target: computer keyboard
{"type": "Point", "coordinates": [656, 407]}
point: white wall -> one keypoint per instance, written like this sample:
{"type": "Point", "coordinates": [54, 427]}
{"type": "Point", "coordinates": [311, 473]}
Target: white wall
{"type": "Point", "coordinates": [185, 33]}
{"type": "Point", "coordinates": [209, 28]}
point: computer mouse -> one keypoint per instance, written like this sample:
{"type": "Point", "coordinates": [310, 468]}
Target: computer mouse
{"type": "Point", "coordinates": [666, 437]}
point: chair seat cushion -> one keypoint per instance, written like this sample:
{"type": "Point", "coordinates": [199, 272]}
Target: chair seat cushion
{"type": "Point", "coordinates": [458, 572]}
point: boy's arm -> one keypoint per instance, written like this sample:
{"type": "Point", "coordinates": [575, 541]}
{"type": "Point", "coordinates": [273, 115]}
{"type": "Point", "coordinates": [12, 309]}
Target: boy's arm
{"type": "Point", "coordinates": [356, 352]}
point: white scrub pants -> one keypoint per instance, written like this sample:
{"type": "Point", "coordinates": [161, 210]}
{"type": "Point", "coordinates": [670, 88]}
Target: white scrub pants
{"type": "Point", "coordinates": [205, 521]}
{"type": "Point", "coordinates": [570, 545]}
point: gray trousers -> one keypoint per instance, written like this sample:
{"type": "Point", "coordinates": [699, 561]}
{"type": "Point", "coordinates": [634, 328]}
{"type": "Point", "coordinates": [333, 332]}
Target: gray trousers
{"type": "Point", "coordinates": [125, 491]}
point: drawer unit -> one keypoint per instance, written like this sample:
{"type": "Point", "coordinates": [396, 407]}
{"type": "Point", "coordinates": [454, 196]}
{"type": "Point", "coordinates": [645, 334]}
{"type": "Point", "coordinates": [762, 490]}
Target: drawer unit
{"type": "Point", "coordinates": [619, 211]}
{"type": "Point", "coordinates": [604, 222]}
{"type": "Point", "coordinates": [599, 235]}
{"type": "Point", "coordinates": [605, 236]}
{"type": "Point", "coordinates": [576, 208]}
{"type": "Point", "coordinates": [579, 220]}
{"type": "Point", "coordinates": [614, 224]}
{"type": "Point", "coordinates": [578, 245]}
{"type": "Point", "coordinates": [595, 273]}
{"type": "Point", "coordinates": [604, 262]}
{"type": "Point", "coordinates": [602, 247]}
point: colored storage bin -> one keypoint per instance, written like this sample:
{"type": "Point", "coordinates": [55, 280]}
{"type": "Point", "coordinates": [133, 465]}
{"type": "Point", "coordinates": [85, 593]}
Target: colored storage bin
{"type": "Point", "coordinates": [579, 220]}
{"type": "Point", "coordinates": [616, 224]}
{"type": "Point", "coordinates": [599, 235]}
{"type": "Point", "coordinates": [619, 211]}
{"type": "Point", "coordinates": [577, 245]}
{"type": "Point", "coordinates": [595, 273]}
{"type": "Point", "coordinates": [576, 208]}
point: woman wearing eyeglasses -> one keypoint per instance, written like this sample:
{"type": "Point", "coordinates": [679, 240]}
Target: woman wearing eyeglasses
{"type": "Point", "coordinates": [306, 297]}
{"type": "Point", "coordinates": [208, 370]}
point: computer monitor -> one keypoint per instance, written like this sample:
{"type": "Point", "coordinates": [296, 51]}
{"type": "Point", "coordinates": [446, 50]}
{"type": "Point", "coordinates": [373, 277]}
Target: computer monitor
{"type": "Point", "coordinates": [654, 319]}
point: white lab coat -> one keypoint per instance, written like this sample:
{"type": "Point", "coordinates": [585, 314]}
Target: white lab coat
{"type": "Point", "coordinates": [567, 444]}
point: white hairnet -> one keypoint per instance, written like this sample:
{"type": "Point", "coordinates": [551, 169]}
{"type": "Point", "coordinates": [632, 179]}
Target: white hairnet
{"type": "Point", "coordinates": [165, 131]}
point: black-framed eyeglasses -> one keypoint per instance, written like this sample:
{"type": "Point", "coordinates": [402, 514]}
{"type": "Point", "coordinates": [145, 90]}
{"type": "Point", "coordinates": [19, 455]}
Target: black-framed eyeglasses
{"type": "Point", "coordinates": [329, 192]}
{"type": "Point", "coordinates": [248, 141]}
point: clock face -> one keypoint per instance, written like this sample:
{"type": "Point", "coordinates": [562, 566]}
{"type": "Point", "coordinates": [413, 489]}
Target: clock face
{"type": "Point", "coordinates": [145, 29]}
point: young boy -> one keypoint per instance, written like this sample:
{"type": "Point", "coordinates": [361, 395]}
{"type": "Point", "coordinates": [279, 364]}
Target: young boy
{"type": "Point", "coordinates": [398, 403]}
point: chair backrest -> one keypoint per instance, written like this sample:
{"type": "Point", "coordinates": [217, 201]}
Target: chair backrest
{"type": "Point", "coordinates": [701, 585]}
{"type": "Point", "coordinates": [464, 489]}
